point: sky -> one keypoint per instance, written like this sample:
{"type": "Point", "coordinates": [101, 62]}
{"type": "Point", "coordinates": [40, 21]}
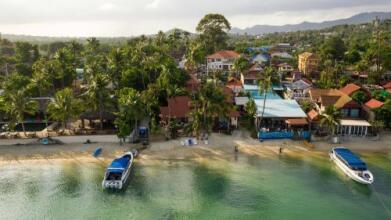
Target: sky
{"type": "Point", "coordinates": [113, 18]}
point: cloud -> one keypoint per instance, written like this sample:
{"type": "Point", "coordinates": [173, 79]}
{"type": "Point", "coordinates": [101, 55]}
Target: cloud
{"type": "Point", "coordinates": [154, 4]}
{"type": "Point", "coordinates": [108, 6]}
{"type": "Point", "coordinates": [148, 16]}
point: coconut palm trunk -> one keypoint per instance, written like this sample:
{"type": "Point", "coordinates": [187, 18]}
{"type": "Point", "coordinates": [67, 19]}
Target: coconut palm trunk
{"type": "Point", "coordinates": [263, 108]}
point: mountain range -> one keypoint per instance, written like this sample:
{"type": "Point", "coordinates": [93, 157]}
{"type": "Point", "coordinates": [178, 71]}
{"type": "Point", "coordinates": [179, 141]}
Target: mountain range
{"type": "Point", "coordinates": [356, 19]}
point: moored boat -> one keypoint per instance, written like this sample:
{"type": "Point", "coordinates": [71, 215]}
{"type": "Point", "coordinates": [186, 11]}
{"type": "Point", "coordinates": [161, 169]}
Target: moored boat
{"type": "Point", "coordinates": [351, 165]}
{"type": "Point", "coordinates": [118, 172]}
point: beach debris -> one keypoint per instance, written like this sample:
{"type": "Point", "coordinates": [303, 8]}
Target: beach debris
{"type": "Point", "coordinates": [135, 153]}
{"type": "Point", "coordinates": [189, 142]}
{"type": "Point", "coordinates": [97, 152]}
{"type": "Point", "coordinates": [88, 141]}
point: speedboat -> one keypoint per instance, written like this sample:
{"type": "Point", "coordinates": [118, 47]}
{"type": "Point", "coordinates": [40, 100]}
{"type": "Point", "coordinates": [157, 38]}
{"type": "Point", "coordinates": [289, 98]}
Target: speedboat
{"type": "Point", "coordinates": [351, 165]}
{"type": "Point", "coordinates": [118, 171]}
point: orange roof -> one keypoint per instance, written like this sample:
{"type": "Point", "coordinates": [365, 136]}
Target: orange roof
{"type": "Point", "coordinates": [373, 103]}
{"type": "Point", "coordinates": [296, 121]}
{"type": "Point", "coordinates": [224, 54]}
{"type": "Point", "coordinates": [387, 85]}
{"type": "Point", "coordinates": [234, 83]}
{"type": "Point", "coordinates": [313, 114]}
{"type": "Point", "coordinates": [350, 88]}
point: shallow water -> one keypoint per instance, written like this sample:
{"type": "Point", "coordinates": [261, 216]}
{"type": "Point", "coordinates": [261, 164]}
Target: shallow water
{"type": "Point", "coordinates": [245, 187]}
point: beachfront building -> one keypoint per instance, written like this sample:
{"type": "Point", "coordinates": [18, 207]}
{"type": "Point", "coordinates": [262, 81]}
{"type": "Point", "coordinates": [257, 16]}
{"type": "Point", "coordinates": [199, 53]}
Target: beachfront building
{"type": "Point", "coordinates": [179, 108]}
{"type": "Point", "coordinates": [222, 60]}
{"type": "Point", "coordinates": [353, 116]}
{"type": "Point", "coordinates": [280, 119]}
{"type": "Point", "coordinates": [308, 63]}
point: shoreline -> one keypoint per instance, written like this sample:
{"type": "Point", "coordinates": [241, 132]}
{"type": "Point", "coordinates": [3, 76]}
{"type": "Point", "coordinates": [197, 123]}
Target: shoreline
{"type": "Point", "coordinates": [220, 147]}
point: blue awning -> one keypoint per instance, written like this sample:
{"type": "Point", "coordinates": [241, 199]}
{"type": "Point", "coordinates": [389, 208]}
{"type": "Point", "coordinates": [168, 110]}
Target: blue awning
{"type": "Point", "coordinates": [350, 159]}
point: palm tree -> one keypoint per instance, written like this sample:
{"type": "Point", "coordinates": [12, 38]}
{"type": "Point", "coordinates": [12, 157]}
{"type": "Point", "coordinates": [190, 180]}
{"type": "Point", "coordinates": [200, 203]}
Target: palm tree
{"type": "Point", "coordinates": [17, 104]}
{"type": "Point", "coordinates": [65, 72]}
{"type": "Point", "coordinates": [64, 107]}
{"type": "Point", "coordinates": [131, 110]}
{"type": "Point", "coordinates": [41, 80]}
{"type": "Point", "coordinates": [331, 118]}
{"type": "Point", "coordinates": [251, 109]}
{"type": "Point", "coordinates": [210, 103]}
{"type": "Point", "coordinates": [265, 85]}
{"type": "Point", "coordinates": [98, 95]}
{"type": "Point", "coordinates": [115, 63]}
{"type": "Point", "coordinates": [241, 64]}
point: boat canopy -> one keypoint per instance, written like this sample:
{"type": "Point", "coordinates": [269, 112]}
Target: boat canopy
{"type": "Point", "coordinates": [350, 159]}
{"type": "Point", "coordinates": [119, 165]}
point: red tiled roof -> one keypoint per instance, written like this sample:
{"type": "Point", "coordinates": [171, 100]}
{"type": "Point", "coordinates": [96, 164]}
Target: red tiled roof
{"type": "Point", "coordinates": [389, 90]}
{"type": "Point", "coordinates": [350, 88]}
{"type": "Point", "coordinates": [373, 103]}
{"type": "Point", "coordinates": [387, 85]}
{"type": "Point", "coordinates": [313, 114]}
{"type": "Point", "coordinates": [224, 54]}
{"type": "Point", "coordinates": [179, 107]}
{"type": "Point", "coordinates": [234, 83]}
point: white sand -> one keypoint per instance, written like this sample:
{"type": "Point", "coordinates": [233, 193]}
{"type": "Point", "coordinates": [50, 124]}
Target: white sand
{"type": "Point", "coordinates": [220, 146]}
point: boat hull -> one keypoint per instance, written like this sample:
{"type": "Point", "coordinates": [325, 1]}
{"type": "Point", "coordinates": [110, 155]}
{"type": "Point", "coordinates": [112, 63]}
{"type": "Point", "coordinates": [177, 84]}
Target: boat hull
{"type": "Point", "coordinates": [354, 175]}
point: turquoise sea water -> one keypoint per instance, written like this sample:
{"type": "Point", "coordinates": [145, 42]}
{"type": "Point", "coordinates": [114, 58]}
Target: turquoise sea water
{"type": "Point", "coordinates": [244, 187]}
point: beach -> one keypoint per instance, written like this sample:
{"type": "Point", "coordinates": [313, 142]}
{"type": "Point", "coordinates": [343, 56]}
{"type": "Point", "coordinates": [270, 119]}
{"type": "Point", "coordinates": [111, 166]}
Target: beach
{"type": "Point", "coordinates": [219, 146]}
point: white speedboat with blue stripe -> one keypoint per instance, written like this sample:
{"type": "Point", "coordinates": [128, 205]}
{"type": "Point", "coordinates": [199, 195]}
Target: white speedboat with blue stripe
{"type": "Point", "coordinates": [118, 172]}
{"type": "Point", "coordinates": [351, 165]}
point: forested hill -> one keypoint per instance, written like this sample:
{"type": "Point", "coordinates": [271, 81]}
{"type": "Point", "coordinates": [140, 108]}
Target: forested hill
{"type": "Point", "coordinates": [356, 19]}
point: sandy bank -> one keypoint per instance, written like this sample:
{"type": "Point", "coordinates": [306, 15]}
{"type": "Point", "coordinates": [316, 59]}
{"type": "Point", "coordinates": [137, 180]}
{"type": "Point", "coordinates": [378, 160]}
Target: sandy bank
{"type": "Point", "coordinates": [220, 147]}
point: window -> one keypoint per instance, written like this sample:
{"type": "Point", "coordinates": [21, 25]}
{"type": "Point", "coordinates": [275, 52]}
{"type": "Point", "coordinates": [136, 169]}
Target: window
{"type": "Point", "coordinates": [345, 112]}
{"type": "Point", "coordinates": [354, 113]}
